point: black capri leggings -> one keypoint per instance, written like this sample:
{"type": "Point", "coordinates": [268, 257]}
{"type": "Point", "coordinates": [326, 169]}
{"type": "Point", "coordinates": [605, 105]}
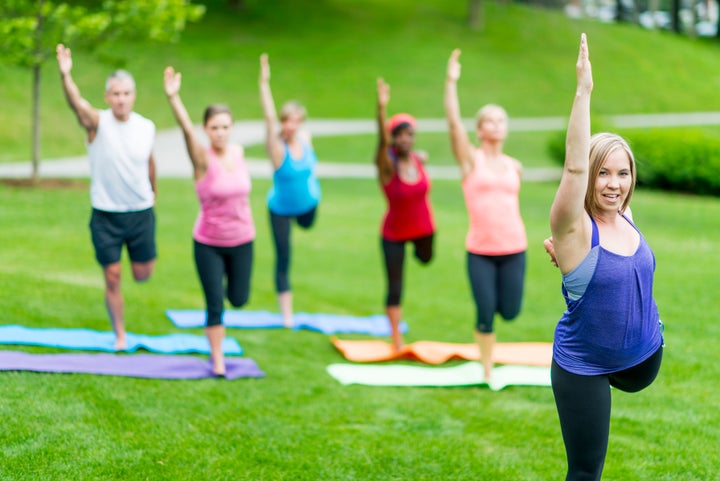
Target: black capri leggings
{"type": "Point", "coordinates": [583, 405]}
{"type": "Point", "coordinates": [394, 254]}
{"type": "Point", "coordinates": [214, 265]}
{"type": "Point", "coordinates": [497, 284]}
{"type": "Point", "coordinates": [280, 225]}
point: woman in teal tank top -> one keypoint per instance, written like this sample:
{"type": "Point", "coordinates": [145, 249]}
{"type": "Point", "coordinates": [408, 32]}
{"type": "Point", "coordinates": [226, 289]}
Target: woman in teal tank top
{"type": "Point", "coordinates": [295, 193]}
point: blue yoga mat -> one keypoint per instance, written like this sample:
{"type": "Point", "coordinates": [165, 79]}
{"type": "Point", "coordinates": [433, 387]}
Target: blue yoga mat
{"type": "Point", "coordinates": [91, 340]}
{"type": "Point", "coordinates": [376, 325]}
{"type": "Point", "coordinates": [135, 365]}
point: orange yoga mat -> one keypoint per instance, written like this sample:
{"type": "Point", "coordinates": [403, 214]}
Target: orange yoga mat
{"type": "Point", "coordinates": [431, 352]}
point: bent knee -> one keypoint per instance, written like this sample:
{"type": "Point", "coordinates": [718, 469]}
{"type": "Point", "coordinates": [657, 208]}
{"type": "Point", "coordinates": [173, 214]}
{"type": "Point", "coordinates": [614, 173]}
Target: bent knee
{"type": "Point", "coordinates": [510, 314]}
{"type": "Point", "coordinates": [142, 271]}
{"type": "Point", "coordinates": [424, 259]}
{"type": "Point", "coordinates": [238, 301]}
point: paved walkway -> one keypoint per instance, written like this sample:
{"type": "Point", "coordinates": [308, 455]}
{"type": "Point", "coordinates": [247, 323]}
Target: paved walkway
{"type": "Point", "coordinates": [172, 159]}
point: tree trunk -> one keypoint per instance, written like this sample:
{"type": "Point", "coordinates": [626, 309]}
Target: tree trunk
{"type": "Point", "coordinates": [36, 96]}
{"type": "Point", "coordinates": [675, 15]}
{"type": "Point", "coordinates": [36, 125]}
{"type": "Point", "coordinates": [475, 15]}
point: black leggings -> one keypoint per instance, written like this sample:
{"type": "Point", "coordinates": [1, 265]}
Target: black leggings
{"type": "Point", "coordinates": [214, 264]}
{"type": "Point", "coordinates": [280, 225]}
{"type": "Point", "coordinates": [583, 405]}
{"type": "Point", "coordinates": [497, 284]}
{"type": "Point", "coordinates": [394, 253]}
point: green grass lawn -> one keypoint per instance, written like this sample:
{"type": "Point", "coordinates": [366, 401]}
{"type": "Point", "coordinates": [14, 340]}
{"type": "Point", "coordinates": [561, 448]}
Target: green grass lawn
{"type": "Point", "coordinates": [298, 423]}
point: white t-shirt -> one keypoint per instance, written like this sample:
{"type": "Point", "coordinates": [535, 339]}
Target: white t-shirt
{"type": "Point", "coordinates": [119, 162]}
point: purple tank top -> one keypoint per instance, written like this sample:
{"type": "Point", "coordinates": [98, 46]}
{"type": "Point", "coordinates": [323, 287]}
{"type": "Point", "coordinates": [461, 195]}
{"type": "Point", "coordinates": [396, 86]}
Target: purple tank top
{"type": "Point", "coordinates": [615, 324]}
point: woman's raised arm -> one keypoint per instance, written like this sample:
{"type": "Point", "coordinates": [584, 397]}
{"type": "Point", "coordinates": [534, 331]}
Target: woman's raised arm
{"type": "Point", "coordinates": [273, 145]}
{"type": "Point", "coordinates": [568, 220]}
{"type": "Point", "coordinates": [382, 157]}
{"type": "Point", "coordinates": [461, 146]}
{"type": "Point", "coordinates": [172, 82]}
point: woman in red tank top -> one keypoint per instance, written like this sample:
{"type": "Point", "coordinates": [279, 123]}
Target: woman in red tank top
{"type": "Point", "coordinates": [406, 186]}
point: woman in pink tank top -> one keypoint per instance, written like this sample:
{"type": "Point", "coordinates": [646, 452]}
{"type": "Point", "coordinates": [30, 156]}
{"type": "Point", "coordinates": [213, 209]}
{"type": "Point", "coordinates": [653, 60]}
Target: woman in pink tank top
{"type": "Point", "coordinates": [224, 230]}
{"type": "Point", "coordinates": [496, 241]}
{"type": "Point", "coordinates": [409, 217]}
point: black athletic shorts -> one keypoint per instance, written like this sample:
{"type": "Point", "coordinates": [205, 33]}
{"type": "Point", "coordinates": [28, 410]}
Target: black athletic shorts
{"type": "Point", "coordinates": [110, 230]}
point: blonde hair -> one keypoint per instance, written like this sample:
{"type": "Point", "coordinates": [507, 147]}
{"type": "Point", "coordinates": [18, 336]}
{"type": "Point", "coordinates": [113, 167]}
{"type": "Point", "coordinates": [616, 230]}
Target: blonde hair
{"type": "Point", "coordinates": [292, 107]}
{"type": "Point", "coordinates": [601, 146]}
{"type": "Point", "coordinates": [485, 111]}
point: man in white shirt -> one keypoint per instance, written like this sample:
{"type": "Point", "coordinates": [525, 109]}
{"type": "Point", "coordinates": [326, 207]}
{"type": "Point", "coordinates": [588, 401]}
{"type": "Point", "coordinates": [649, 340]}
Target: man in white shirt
{"type": "Point", "coordinates": [122, 183]}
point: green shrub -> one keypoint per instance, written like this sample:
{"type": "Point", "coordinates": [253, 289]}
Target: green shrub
{"type": "Point", "coordinates": [556, 144]}
{"type": "Point", "coordinates": [683, 160]}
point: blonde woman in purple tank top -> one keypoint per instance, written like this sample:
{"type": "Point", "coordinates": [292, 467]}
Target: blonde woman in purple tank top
{"type": "Point", "coordinates": [610, 335]}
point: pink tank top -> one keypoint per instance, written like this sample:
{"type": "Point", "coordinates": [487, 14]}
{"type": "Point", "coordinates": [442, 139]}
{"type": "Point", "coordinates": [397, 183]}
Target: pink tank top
{"type": "Point", "coordinates": [225, 218]}
{"type": "Point", "coordinates": [409, 215]}
{"type": "Point", "coordinates": [493, 205]}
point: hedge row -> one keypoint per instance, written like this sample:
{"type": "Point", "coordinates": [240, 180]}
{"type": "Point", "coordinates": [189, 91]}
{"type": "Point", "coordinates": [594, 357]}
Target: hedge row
{"type": "Point", "coordinates": [684, 160]}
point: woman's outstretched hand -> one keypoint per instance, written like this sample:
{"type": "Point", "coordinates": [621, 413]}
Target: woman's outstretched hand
{"type": "Point", "coordinates": [172, 82]}
{"type": "Point", "coordinates": [264, 68]}
{"type": "Point", "coordinates": [583, 68]}
{"type": "Point", "coordinates": [383, 92]}
{"type": "Point", "coordinates": [453, 67]}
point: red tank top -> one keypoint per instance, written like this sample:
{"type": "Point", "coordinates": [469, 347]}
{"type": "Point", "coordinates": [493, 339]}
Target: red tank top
{"type": "Point", "coordinates": [409, 215]}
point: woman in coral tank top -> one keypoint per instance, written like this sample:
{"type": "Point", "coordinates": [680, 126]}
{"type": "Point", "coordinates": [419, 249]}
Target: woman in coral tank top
{"type": "Point", "coordinates": [496, 241]}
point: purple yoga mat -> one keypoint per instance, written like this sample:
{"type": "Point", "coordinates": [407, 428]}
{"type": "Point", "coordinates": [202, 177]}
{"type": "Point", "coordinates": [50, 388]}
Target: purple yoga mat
{"type": "Point", "coordinates": [134, 365]}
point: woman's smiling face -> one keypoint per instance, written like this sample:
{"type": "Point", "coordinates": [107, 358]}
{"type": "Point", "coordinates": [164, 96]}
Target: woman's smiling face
{"type": "Point", "coordinates": [614, 181]}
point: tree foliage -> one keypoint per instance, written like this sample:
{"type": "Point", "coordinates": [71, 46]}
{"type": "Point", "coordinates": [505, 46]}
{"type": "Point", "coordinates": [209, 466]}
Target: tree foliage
{"type": "Point", "coordinates": [31, 29]}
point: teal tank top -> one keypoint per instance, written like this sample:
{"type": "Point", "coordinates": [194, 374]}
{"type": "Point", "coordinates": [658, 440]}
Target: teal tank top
{"type": "Point", "coordinates": [295, 189]}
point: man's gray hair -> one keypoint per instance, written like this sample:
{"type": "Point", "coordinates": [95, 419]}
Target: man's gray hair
{"type": "Point", "coordinates": [119, 75]}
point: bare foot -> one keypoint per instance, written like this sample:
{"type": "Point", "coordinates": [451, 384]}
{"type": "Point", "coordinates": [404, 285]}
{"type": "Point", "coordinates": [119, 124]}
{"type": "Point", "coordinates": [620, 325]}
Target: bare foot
{"type": "Point", "coordinates": [488, 374]}
{"type": "Point", "coordinates": [288, 322]}
{"type": "Point", "coordinates": [218, 366]}
{"type": "Point", "coordinates": [120, 343]}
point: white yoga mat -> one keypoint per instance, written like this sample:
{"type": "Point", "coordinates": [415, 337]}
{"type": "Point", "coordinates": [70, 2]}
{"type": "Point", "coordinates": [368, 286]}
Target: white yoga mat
{"type": "Point", "coordinates": [467, 374]}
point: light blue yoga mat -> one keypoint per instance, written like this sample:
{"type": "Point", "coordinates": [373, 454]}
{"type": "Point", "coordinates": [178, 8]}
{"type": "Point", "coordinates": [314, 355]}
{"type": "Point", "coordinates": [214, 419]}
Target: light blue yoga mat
{"type": "Point", "coordinates": [467, 374]}
{"type": "Point", "coordinates": [91, 340]}
{"type": "Point", "coordinates": [376, 325]}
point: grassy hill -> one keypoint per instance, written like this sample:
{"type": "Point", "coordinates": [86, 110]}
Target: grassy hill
{"type": "Point", "coordinates": [328, 54]}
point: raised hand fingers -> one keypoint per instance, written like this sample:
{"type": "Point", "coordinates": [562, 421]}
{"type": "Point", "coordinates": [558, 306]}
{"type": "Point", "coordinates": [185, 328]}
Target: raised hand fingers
{"type": "Point", "coordinates": [383, 91]}
{"type": "Point", "coordinates": [172, 81]}
{"type": "Point", "coordinates": [264, 67]}
{"type": "Point", "coordinates": [453, 68]}
{"type": "Point", "coordinates": [583, 67]}
{"type": "Point", "coordinates": [64, 58]}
